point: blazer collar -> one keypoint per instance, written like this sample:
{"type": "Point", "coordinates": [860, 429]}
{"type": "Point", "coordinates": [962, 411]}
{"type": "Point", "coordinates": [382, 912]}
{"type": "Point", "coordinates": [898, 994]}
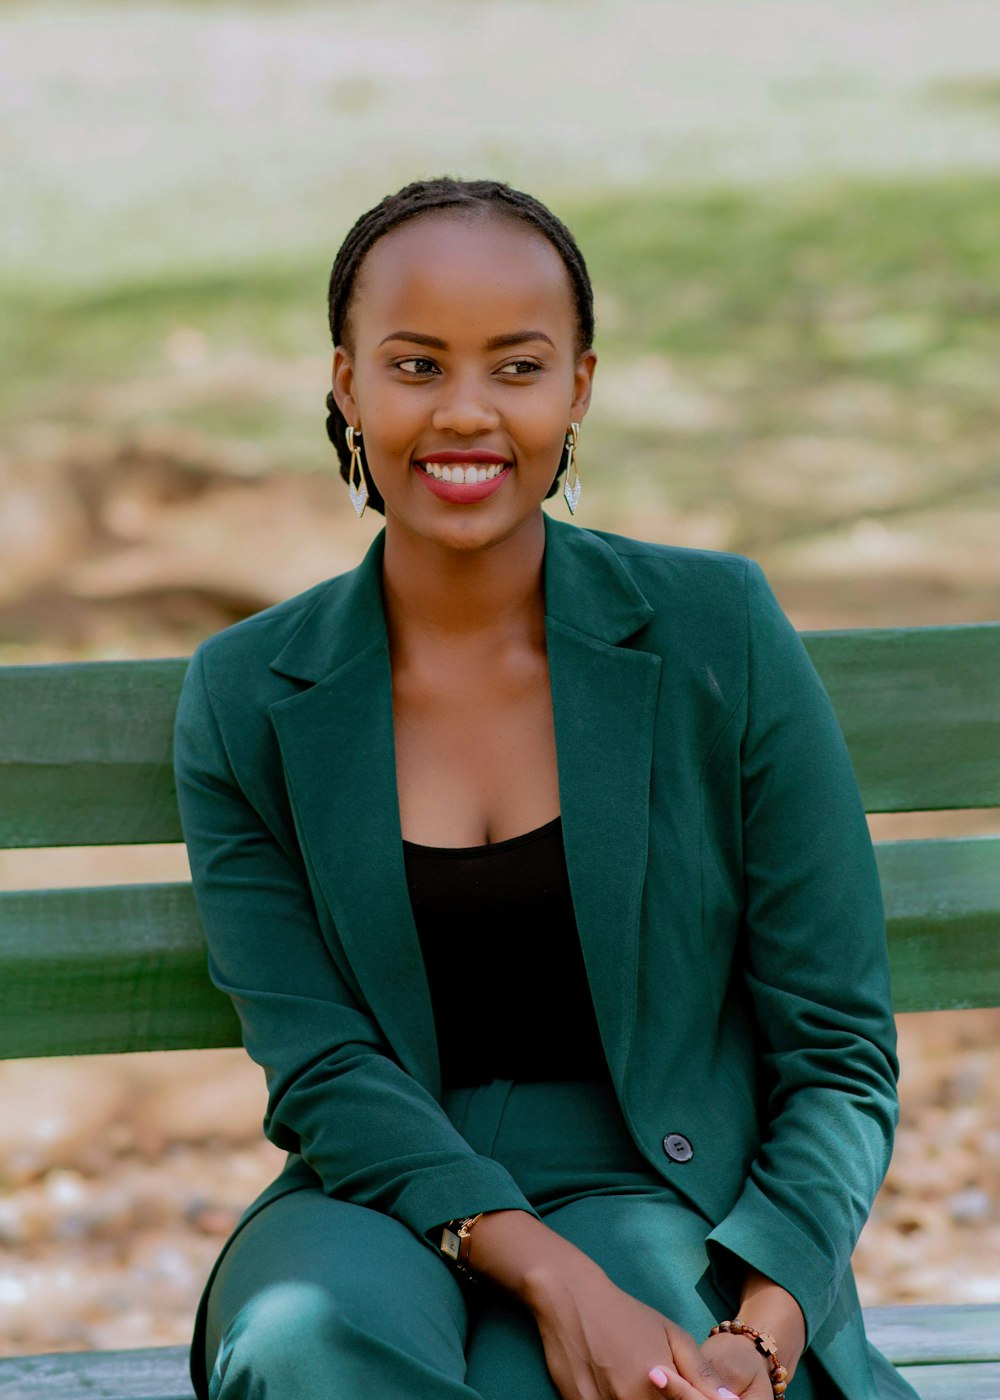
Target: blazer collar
{"type": "Point", "coordinates": [336, 739]}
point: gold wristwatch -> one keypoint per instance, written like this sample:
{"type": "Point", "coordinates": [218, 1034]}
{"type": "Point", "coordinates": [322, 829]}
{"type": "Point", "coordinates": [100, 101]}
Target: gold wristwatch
{"type": "Point", "coordinates": [456, 1241]}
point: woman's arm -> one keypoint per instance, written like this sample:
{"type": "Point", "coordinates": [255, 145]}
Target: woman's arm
{"type": "Point", "coordinates": [815, 971]}
{"type": "Point", "coordinates": [335, 1094]}
{"type": "Point", "coordinates": [769, 1308]}
{"type": "Point", "coordinates": [600, 1342]}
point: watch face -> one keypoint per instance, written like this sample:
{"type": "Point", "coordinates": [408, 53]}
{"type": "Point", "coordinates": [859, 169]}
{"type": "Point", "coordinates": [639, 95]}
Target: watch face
{"type": "Point", "coordinates": [450, 1244]}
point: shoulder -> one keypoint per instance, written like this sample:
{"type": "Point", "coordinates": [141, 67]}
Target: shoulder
{"type": "Point", "coordinates": [694, 588]}
{"type": "Point", "coordinates": [236, 662]}
{"type": "Point", "coordinates": [709, 607]}
{"type": "Point", "coordinates": [678, 567]}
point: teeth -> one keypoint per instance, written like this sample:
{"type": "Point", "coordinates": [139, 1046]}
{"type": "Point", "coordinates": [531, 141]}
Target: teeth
{"type": "Point", "coordinates": [466, 475]}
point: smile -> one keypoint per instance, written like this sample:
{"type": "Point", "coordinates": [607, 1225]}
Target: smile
{"type": "Point", "coordinates": [463, 483]}
{"type": "Point", "coordinates": [462, 472]}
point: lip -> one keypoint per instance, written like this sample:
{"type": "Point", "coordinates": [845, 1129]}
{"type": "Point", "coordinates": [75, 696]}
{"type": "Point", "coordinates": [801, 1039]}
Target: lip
{"type": "Point", "coordinates": [466, 492]}
{"type": "Point", "coordinates": [478, 455]}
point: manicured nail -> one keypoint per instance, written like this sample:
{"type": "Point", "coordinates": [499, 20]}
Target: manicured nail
{"type": "Point", "coordinates": [727, 1394]}
{"type": "Point", "coordinates": [659, 1377]}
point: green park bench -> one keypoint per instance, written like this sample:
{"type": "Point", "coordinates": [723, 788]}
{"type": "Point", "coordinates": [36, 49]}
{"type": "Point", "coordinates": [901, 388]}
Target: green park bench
{"type": "Point", "coordinates": [85, 761]}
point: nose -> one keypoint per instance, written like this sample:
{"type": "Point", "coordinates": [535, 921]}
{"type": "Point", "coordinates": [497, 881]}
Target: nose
{"type": "Point", "coordinates": [465, 407]}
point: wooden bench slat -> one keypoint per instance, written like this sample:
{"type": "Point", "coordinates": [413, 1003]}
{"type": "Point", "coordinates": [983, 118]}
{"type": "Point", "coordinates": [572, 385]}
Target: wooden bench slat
{"type": "Point", "coordinates": [920, 709]}
{"type": "Point", "coordinates": [943, 1351]}
{"type": "Point", "coordinates": [85, 753]}
{"type": "Point", "coordinates": [85, 747]}
{"type": "Point", "coordinates": [942, 901]}
{"type": "Point", "coordinates": [924, 1333]}
{"type": "Point", "coordinates": [117, 968]}
{"type": "Point", "coordinates": [151, 1373]}
{"type": "Point", "coordinates": [106, 969]}
{"type": "Point", "coordinates": [979, 1380]}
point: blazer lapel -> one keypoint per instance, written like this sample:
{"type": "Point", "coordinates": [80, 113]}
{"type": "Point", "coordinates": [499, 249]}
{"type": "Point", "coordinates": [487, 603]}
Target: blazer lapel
{"type": "Point", "coordinates": [336, 740]}
{"type": "Point", "coordinates": [604, 700]}
{"type": "Point", "coordinates": [337, 746]}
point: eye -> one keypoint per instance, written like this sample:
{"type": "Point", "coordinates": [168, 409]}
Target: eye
{"type": "Point", "coordinates": [519, 369]}
{"type": "Point", "coordinates": [416, 365]}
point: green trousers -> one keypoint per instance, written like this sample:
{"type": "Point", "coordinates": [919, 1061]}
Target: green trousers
{"type": "Point", "coordinates": [318, 1299]}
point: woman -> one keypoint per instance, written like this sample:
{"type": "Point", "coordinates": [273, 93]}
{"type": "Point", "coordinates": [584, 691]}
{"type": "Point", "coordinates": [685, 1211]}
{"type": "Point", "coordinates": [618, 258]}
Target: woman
{"type": "Point", "coordinates": [533, 862]}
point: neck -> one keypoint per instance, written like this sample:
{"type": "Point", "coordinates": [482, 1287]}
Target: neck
{"type": "Point", "coordinates": [453, 594]}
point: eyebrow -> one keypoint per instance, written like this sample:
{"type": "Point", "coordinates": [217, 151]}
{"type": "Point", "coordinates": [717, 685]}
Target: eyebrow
{"type": "Point", "coordinates": [495, 342]}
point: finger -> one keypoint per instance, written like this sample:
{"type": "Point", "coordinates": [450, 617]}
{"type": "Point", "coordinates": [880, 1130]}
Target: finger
{"type": "Point", "coordinates": [697, 1369]}
{"type": "Point", "coordinates": [675, 1387]}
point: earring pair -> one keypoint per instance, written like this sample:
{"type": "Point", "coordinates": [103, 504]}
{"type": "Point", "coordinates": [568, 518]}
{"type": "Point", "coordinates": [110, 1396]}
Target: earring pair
{"type": "Point", "coordinates": [358, 493]}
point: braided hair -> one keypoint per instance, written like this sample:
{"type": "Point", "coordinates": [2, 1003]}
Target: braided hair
{"type": "Point", "coordinates": [426, 197]}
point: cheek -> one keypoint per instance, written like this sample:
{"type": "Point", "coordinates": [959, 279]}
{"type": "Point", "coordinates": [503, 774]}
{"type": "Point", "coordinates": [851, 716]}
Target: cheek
{"type": "Point", "coordinates": [393, 412]}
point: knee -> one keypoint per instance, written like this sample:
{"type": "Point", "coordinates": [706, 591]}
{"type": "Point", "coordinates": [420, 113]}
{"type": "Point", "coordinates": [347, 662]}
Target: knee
{"type": "Point", "coordinates": [284, 1335]}
{"type": "Point", "coordinates": [293, 1338]}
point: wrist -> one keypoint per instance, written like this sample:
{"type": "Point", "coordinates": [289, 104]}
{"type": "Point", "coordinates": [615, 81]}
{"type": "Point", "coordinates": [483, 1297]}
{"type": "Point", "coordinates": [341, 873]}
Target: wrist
{"type": "Point", "coordinates": [522, 1255]}
{"type": "Point", "coordinates": [769, 1308]}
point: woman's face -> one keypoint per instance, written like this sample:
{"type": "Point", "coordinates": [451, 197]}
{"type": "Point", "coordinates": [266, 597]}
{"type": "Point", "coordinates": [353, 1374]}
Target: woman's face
{"type": "Point", "coordinates": [462, 355]}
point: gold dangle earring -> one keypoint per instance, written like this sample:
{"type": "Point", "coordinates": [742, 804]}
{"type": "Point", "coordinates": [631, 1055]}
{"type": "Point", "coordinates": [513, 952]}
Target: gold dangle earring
{"type": "Point", "coordinates": [359, 493]}
{"type": "Point", "coordinates": [571, 489]}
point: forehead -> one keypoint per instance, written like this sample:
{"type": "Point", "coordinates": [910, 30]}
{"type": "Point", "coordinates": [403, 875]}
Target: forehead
{"type": "Point", "coordinates": [463, 276]}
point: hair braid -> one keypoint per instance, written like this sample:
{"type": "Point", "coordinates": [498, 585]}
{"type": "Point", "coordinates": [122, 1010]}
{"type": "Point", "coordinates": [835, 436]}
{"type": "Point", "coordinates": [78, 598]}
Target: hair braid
{"type": "Point", "coordinates": [425, 197]}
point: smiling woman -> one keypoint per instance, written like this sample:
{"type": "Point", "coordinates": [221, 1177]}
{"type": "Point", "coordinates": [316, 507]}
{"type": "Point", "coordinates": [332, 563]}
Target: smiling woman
{"type": "Point", "coordinates": [532, 860]}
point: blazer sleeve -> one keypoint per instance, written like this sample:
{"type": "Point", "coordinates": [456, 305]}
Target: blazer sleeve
{"type": "Point", "coordinates": [372, 1134]}
{"type": "Point", "coordinates": [817, 976]}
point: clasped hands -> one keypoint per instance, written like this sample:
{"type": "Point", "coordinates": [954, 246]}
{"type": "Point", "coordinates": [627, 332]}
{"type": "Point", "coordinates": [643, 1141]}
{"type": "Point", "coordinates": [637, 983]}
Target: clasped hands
{"type": "Point", "coordinates": [600, 1342]}
{"type": "Point", "coordinates": [594, 1335]}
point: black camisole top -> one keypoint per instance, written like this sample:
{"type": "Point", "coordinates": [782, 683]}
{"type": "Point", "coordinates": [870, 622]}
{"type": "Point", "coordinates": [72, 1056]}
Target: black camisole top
{"type": "Point", "coordinates": [504, 962]}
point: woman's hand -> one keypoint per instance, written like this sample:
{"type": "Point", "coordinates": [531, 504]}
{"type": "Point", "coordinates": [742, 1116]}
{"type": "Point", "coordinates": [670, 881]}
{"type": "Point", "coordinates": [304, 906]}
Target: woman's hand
{"type": "Point", "coordinates": [600, 1343]}
{"type": "Point", "coordinates": [768, 1307]}
{"type": "Point", "coordinates": [740, 1365]}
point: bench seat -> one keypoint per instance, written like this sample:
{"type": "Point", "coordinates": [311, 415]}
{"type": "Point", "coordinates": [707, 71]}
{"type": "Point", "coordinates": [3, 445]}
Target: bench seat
{"type": "Point", "coordinates": [85, 760]}
{"type": "Point", "coordinates": [944, 1351]}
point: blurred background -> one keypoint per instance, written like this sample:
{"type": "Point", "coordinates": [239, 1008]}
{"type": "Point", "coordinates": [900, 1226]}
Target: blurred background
{"type": "Point", "coordinates": [791, 213]}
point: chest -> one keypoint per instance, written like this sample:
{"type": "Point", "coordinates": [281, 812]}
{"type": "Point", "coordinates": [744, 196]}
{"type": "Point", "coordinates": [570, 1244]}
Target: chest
{"type": "Point", "coordinates": [475, 752]}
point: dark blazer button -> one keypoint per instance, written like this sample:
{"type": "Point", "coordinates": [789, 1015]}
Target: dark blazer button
{"type": "Point", "coordinates": [677, 1147]}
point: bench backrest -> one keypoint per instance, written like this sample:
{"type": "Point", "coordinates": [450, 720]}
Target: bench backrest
{"type": "Point", "coordinates": [85, 761]}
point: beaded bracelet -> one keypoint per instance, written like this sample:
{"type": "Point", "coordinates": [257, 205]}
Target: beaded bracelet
{"type": "Point", "coordinates": [767, 1347]}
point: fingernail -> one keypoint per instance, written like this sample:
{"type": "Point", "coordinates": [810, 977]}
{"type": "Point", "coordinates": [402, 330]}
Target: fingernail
{"type": "Point", "coordinates": [659, 1377]}
{"type": "Point", "coordinates": [727, 1394]}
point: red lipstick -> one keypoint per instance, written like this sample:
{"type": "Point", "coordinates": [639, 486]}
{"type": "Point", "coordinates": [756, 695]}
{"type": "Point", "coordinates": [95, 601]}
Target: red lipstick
{"type": "Point", "coordinates": [463, 493]}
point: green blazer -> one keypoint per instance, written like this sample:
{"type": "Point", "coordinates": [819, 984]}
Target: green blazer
{"type": "Point", "coordinates": [723, 880]}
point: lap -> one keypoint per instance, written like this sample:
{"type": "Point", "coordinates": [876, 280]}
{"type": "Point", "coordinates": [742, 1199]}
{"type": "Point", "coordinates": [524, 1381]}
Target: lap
{"type": "Point", "coordinates": [309, 1256]}
{"type": "Point", "coordinates": [306, 1255]}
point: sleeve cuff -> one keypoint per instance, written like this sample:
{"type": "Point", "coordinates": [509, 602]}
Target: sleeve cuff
{"type": "Point", "coordinates": [765, 1239]}
{"type": "Point", "coordinates": [458, 1190]}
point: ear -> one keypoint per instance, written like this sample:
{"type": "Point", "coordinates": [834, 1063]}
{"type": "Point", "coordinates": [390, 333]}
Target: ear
{"type": "Point", "coordinates": [343, 385]}
{"type": "Point", "coordinates": [583, 383]}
